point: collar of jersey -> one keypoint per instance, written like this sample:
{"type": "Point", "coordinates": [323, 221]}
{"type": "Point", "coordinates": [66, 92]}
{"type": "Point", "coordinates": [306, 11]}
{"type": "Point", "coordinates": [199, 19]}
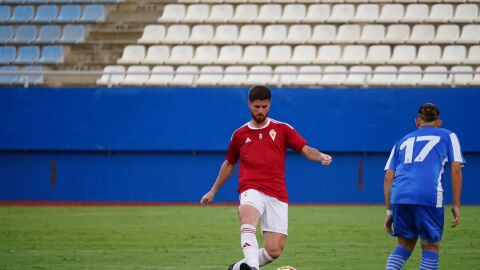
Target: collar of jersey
{"type": "Point", "coordinates": [264, 126]}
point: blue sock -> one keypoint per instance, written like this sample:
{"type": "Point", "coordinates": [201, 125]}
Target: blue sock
{"type": "Point", "coordinates": [398, 258]}
{"type": "Point", "coordinates": [429, 260]}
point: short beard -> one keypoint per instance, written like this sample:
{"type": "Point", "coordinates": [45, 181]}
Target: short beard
{"type": "Point", "coordinates": [259, 120]}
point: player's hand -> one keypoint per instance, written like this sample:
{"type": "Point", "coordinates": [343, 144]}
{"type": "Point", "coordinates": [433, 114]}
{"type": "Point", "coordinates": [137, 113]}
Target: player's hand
{"type": "Point", "coordinates": [207, 198]}
{"type": "Point", "coordinates": [456, 216]}
{"type": "Point", "coordinates": [326, 159]}
{"type": "Point", "coordinates": [388, 224]}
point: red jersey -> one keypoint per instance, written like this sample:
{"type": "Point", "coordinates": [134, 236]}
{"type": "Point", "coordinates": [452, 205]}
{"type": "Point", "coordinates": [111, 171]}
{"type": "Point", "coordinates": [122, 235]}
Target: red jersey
{"type": "Point", "coordinates": [261, 152]}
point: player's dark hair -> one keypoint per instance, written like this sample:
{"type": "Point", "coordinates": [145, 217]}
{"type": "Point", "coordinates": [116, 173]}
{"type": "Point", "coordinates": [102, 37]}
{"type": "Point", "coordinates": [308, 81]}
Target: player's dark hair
{"type": "Point", "coordinates": [259, 92]}
{"type": "Point", "coordinates": [428, 112]}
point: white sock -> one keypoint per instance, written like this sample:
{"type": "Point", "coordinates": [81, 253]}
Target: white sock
{"type": "Point", "coordinates": [263, 259]}
{"type": "Point", "coordinates": [249, 244]}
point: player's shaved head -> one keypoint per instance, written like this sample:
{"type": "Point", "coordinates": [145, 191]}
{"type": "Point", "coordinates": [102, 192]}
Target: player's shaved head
{"type": "Point", "coordinates": [428, 112]}
{"type": "Point", "coordinates": [259, 92]}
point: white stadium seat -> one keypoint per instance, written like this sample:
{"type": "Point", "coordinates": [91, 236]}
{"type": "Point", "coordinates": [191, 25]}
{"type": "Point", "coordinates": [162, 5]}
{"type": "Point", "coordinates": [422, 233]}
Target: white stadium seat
{"type": "Point", "coordinates": [476, 78]}
{"type": "Point", "coordinates": [201, 34]}
{"type": "Point", "coordinates": [136, 75]}
{"type": "Point", "coordinates": [274, 34]}
{"type": "Point", "coordinates": [438, 77]}
{"type": "Point", "coordinates": [250, 33]}
{"type": "Point", "coordinates": [259, 75]}
{"type": "Point", "coordinates": [279, 55]}
{"type": "Point", "coordinates": [453, 54]}
{"type": "Point", "coordinates": [298, 34]}
{"type": "Point", "coordinates": [303, 54]}
{"type": "Point", "coordinates": [245, 13]}
{"type": "Point", "coordinates": [173, 13]}
{"type": "Point", "coordinates": [230, 54]}
{"type": "Point", "coordinates": [185, 75]}
{"type": "Point", "coordinates": [221, 13]}
{"type": "Point", "coordinates": [378, 54]}
{"type": "Point", "coordinates": [372, 33]}
{"type": "Point", "coordinates": [447, 33]}
{"type": "Point", "coordinates": [408, 76]}
{"type": "Point", "coordinates": [358, 76]}
{"type": "Point", "coordinates": [225, 34]}
{"type": "Point", "coordinates": [160, 75]}
{"type": "Point", "coordinates": [293, 13]}
{"type": "Point", "coordinates": [465, 13]}
{"type": "Point", "coordinates": [197, 13]}
{"type": "Point", "coordinates": [403, 54]}
{"type": "Point", "coordinates": [470, 34]}
{"type": "Point", "coordinates": [234, 75]}
{"type": "Point", "coordinates": [205, 55]}
{"type": "Point", "coordinates": [440, 13]}
{"type": "Point", "coordinates": [397, 33]}
{"type": "Point", "coordinates": [328, 54]}
{"type": "Point", "coordinates": [416, 13]}
{"type": "Point", "coordinates": [334, 75]}
{"type": "Point", "coordinates": [428, 55]}
{"type": "Point", "coordinates": [132, 54]}
{"type": "Point", "coordinates": [323, 33]}
{"type": "Point", "coordinates": [112, 75]}
{"type": "Point", "coordinates": [309, 75]}
{"type": "Point", "coordinates": [342, 13]}
{"type": "Point", "coordinates": [177, 34]}
{"type": "Point", "coordinates": [210, 75]}
{"type": "Point", "coordinates": [317, 13]}
{"type": "Point", "coordinates": [461, 75]}
{"type": "Point", "coordinates": [366, 13]}
{"type": "Point", "coordinates": [254, 54]}
{"type": "Point", "coordinates": [348, 33]}
{"type": "Point", "coordinates": [473, 57]}
{"type": "Point", "coordinates": [392, 13]}
{"type": "Point", "coordinates": [270, 13]}
{"type": "Point", "coordinates": [180, 55]}
{"type": "Point", "coordinates": [286, 75]}
{"type": "Point", "coordinates": [157, 54]}
{"type": "Point", "coordinates": [353, 54]}
{"type": "Point", "coordinates": [422, 33]}
{"type": "Point", "coordinates": [152, 34]}
{"type": "Point", "coordinates": [384, 75]}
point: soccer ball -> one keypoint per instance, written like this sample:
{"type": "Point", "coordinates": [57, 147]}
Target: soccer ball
{"type": "Point", "coordinates": [286, 268]}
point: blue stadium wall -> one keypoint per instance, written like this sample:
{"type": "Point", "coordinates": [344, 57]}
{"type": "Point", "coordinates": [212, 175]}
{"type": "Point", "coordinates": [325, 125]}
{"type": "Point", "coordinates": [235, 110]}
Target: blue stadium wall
{"type": "Point", "coordinates": [167, 144]}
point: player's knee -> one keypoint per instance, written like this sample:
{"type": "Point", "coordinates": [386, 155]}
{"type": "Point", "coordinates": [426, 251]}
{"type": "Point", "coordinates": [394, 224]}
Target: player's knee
{"type": "Point", "coordinates": [275, 252]}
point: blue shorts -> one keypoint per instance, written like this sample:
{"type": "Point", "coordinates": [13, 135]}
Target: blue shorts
{"type": "Point", "coordinates": [411, 221]}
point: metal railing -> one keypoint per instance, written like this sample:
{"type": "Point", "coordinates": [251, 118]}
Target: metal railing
{"type": "Point", "coordinates": [276, 77]}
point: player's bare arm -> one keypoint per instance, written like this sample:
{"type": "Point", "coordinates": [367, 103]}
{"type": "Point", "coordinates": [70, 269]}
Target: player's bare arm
{"type": "Point", "coordinates": [387, 184]}
{"type": "Point", "coordinates": [314, 155]}
{"type": "Point", "coordinates": [456, 176]}
{"type": "Point", "coordinates": [226, 171]}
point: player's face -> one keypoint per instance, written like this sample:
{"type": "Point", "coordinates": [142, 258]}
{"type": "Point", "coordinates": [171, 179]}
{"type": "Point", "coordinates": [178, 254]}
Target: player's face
{"type": "Point", "coordinates": [259, 110]}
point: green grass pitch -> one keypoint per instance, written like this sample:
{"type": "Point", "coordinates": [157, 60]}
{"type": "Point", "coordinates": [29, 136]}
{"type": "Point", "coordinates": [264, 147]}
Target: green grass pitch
{"type": "Point", "coordinates": [194, 237]}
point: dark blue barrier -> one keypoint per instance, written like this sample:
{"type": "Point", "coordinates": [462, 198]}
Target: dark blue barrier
{"type": "Point", "coordinates": [166, 145]}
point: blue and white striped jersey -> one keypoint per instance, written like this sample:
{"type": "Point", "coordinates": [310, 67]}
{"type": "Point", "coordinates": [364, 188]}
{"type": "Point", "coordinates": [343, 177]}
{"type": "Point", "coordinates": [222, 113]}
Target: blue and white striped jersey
{"type": "Point", "coordinates": [418, 160]}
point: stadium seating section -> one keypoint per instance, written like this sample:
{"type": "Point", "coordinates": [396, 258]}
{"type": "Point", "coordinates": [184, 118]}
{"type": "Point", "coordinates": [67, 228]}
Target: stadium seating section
{"type": "Point", "coordinates": [315, 43]}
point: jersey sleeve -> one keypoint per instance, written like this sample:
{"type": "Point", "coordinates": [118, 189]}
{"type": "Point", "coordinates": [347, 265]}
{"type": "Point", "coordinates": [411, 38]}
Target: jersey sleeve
{"type": "Point", "coordinates": [294, 139]}
{"type": "Point", "coordinates": [455, 151]}
{"type": "Point", "coordinates": [233, 153]}
{"type": "Point", "coordinates": [392, 159]}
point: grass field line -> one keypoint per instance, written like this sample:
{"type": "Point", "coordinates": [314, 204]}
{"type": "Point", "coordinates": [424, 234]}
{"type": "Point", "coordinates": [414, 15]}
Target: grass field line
{"type": "Point", "coordinates": [102, 266]}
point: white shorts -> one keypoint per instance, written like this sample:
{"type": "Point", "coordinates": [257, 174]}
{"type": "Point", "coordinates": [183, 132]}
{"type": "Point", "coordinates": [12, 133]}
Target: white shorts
{"type": "Point", "coordinates": [273, 213]}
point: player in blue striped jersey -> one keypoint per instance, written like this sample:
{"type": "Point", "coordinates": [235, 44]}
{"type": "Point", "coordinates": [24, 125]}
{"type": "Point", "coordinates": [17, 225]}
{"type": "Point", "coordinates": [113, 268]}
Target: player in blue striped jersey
{"type": "Point", "coordinates": [413, 188]}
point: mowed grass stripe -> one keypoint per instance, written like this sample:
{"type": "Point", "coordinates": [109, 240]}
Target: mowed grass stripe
{"type": "Point", "coordinates": [190, 237]}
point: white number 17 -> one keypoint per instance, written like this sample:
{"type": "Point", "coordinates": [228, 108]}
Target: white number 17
{"type": "Point", "coordinates": [408, 146]}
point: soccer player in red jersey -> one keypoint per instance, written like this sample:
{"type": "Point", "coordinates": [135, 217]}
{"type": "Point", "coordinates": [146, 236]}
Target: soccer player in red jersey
{"type": "Point", "coordinates": [261, 146]}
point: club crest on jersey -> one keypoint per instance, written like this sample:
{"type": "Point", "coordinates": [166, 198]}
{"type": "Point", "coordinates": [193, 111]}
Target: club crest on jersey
{"type": "Point", "coordinates": [248, 140]}
{"type": "Point", "coordinates": [260, 136]}
{"type": "Point", "coordinates": [272, 133]}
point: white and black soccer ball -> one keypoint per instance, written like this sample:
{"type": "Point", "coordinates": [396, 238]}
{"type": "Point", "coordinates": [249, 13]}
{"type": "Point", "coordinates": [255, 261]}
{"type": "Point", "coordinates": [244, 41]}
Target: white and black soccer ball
{"type": "Point", "coordinates": [286, 268]}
